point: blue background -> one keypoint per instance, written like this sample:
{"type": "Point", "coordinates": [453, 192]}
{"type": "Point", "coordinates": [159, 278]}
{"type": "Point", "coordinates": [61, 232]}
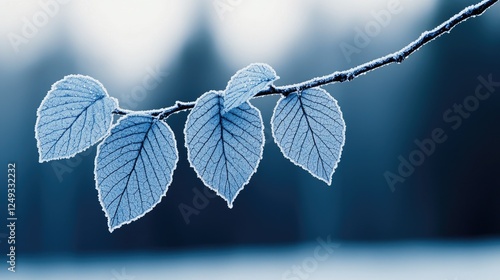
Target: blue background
{"type": "Point", "coordinates": [453, 196]}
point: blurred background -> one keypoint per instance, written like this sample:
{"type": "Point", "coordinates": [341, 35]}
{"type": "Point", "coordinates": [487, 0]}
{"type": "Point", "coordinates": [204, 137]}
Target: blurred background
{"type": "Point", "coordinates": [440, 222]}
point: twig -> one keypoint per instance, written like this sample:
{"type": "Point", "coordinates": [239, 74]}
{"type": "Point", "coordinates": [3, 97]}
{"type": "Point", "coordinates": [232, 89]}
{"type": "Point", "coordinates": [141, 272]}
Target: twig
{"type": "Point", "coordinates": [347, 75]}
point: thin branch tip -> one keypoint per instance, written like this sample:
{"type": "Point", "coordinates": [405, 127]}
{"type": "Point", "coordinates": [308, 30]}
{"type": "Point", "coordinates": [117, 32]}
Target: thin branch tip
{"type": "Point", "coordinates": [348, 75]}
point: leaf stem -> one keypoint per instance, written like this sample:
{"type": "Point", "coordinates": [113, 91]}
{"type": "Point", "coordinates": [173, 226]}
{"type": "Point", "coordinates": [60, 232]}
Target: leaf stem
{"type": "Point", "coordinates": [350, 74]}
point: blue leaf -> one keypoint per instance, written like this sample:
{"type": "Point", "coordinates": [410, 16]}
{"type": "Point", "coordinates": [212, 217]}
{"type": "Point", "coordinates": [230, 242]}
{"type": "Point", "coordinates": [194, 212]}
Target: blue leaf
{"type": "Point", "coordinates": [246, 83]}
{"type": "Point", "coordinates": [224, 149]}
{"type": "Point", "coordinates": [310, 131]}
{"type": "Point", "coordinates": [75, 114]}
{"type": "Point", "coordinates": [134, 167]}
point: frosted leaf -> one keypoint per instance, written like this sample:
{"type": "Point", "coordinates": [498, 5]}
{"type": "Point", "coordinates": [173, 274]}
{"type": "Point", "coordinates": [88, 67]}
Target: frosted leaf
{"type": "Point", "coordinates": [246, 83]}
{"type": "Point", "coordinates": [310, 131]}
{"type": "Point", "coordinates": [75, 114]}
{"type": "Point", "coordinates": [134, 167]}
{"type": "Point", "coordinates": [224, 149]}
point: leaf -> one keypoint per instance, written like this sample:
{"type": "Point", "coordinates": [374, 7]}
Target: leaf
{"type": "Point", "coordinates": [310, 131]}
{"type": "Point", "coordinates": [246, 83]}
{"type": "Point", "coordinates": [224, 149]}
{"type": "Point", "coordinates": [75, 114]}
{"type": "Point", "coordinates": [134, 167]}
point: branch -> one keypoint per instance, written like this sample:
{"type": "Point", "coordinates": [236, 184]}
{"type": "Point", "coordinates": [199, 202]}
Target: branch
{"type": "Point", "coordinates": [347, 75]}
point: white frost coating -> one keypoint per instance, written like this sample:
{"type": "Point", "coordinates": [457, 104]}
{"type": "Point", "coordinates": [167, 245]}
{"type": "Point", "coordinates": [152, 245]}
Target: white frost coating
{"type": "Point", "coordinates": [74, 115]}
{"type": "Point", "coordinates": [224, 149]}
{"type": "Point", "coordinates": [134, 167]}
{"type": "Point", "coordinates": [309, 129]}
{"type": "Point", "coordinates": [246, 83]}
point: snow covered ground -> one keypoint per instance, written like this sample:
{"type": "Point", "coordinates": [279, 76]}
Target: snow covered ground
{"type": "Point", "coordinates": [408, 261]}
